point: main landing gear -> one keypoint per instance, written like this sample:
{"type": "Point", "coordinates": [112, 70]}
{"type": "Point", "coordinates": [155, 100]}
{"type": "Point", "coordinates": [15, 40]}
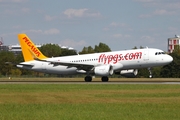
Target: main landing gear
{"type": "Point", "coordinates": [150, 73]}
{"type": "Point", "coordinates": [89, 79]}
{"type": "Point", "coordinates": [104, 79]}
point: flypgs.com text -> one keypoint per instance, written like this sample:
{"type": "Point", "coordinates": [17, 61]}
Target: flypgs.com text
{"type": "Point", "coordinates": [119, 57]}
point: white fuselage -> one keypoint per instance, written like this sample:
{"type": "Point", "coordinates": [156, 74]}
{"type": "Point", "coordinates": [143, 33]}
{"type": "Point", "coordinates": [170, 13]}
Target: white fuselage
{"type": "Point", "coordinates": [120, 60]}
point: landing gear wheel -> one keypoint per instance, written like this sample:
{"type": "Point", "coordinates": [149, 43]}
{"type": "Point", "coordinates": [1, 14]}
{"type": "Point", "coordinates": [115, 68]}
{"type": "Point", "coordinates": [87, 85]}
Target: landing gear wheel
{"type": "Point", "coordinates": [104, 79]}
{"type": "Point", "coordinates": [150, 73]}
{"type": "Point", "coordinates": [88, 79]}
{"type": "Point", "coordinates": [150, 76]}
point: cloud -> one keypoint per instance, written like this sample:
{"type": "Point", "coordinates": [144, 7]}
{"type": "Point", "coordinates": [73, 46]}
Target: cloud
{"type": "Point", "coordinates": [106, 29]}
{"type": "Point", "coordinates": [8, 34]}
{"type": "Point", "coordinates": [145, 1]}
{"type": "Point", "coordinates": [49, 18]}
{"type": "Point", "coordinates": [25, 10]}
{"type": "Point", "coordinates": [160, 7]}
{"type": "Point", "coordinates": [117, 35]}
{"type": "Point", "coordinates": [173, 5]}
{"type": "Point", "coordinates": [17, 27]}
{"type": "Point", "coordinates": [147, 39]}
{"type": "Point", "coordinates": [33, 31]}
{"type": "Point", "coordinates": [12, 7]}
{"type": "Point", "coordinates": [160, 4]}
{"type": "Point", "coordinates": [13, 1]}
{"type": "Point", "coordinates": [19, 1]}
{"type": "Point", "coordinates": [73, 43]}
{"type": "Point", "coordinates": [75, 12]}
{"type": "Point", "coordinates": [71, 13]}
{"type": "Point", "coordinates": [158, 12]}
{"type": "Point", "coordinates": [163, 12]}
{"type": "Point", "coordinates": [115, 24]}
{"type": "Point", "coordinates": [51, 31]}
{"type": "Point", "coordinates": [145, 16]}
{"type": "Point", "coordinates": [121, 36]}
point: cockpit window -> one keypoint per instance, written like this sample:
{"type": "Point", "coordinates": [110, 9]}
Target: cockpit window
{"type": "Point", "coordinates": [159, 53]}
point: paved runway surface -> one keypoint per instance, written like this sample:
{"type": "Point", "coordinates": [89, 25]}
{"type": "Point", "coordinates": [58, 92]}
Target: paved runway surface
{"type": "Point", "coordinates": [95, 82]}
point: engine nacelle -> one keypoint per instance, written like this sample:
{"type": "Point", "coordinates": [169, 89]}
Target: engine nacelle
{"type": "Point", "coordinates": [128, 73]}
{"type": "Point", "coordinates": [104, 70]}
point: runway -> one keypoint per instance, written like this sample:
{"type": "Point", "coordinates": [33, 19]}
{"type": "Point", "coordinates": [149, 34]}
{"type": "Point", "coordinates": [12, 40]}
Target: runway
{"type": "Point", "coordinates": [56, 80]}
{"type": "Point", "coordinates": [95, 82]}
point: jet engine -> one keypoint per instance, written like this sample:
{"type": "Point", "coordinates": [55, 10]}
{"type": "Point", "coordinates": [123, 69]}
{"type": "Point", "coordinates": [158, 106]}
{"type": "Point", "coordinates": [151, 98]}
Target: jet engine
{"type": "Point", "coordinates": [104, 70]}
{"type": "Point", "coordinates": [128, 73]}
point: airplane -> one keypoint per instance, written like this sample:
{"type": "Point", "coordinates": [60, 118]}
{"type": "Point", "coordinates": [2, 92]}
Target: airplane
{"type": "Point", "coordinates": [125, 62]}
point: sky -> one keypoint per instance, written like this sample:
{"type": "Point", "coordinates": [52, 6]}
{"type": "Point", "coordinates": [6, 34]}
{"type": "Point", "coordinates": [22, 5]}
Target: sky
{"type": "Point", "coordinates": [121, 24]}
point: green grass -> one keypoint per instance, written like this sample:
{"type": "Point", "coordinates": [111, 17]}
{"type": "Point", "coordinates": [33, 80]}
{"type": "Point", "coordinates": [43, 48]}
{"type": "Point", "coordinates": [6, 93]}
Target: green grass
{"type": "Point", "coordinates": [89, 102]}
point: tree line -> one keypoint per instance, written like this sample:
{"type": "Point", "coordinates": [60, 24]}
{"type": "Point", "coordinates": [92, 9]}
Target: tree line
{"type": "Point", "coordinates": [171, 70]}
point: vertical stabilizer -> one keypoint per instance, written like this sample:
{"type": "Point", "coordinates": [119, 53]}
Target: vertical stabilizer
{"type": "Point", "coordinates": [29, 50]}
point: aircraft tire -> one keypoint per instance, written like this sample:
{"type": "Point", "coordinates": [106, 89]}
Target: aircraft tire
{"type": "Point", "coordinates": [150, 76]}
{"type": "Point", "coordinates": [105, 79]}
{"type": "Point", "coordinates": [88, 79]}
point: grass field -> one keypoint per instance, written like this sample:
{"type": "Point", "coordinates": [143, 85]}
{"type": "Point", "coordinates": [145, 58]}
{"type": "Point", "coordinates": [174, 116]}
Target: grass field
{"type": "Point", "coordinates": [89, 102]}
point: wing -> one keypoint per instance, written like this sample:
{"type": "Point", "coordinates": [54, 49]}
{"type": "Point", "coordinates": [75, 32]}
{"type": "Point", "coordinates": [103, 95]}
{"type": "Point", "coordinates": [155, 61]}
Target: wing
{"type": "Point", "coordinates": [79, 66]}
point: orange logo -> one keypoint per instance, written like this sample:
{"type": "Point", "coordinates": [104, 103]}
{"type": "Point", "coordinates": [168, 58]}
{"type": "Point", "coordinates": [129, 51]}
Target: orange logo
{"type": "Point", "coordinates": [32, 47]}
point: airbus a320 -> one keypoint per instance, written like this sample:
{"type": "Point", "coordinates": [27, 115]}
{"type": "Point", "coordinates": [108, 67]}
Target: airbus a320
{"type": "Point", "coordinates": [125, 62]}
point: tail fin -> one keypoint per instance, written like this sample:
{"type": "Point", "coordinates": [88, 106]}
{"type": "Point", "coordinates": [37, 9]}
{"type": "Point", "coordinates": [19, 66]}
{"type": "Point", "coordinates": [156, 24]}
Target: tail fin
{"type": "Point", "coordinates": [29, 50]}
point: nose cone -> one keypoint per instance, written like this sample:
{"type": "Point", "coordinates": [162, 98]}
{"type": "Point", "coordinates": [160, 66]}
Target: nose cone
{"type": "Point", "coordinates": [169, 59]}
